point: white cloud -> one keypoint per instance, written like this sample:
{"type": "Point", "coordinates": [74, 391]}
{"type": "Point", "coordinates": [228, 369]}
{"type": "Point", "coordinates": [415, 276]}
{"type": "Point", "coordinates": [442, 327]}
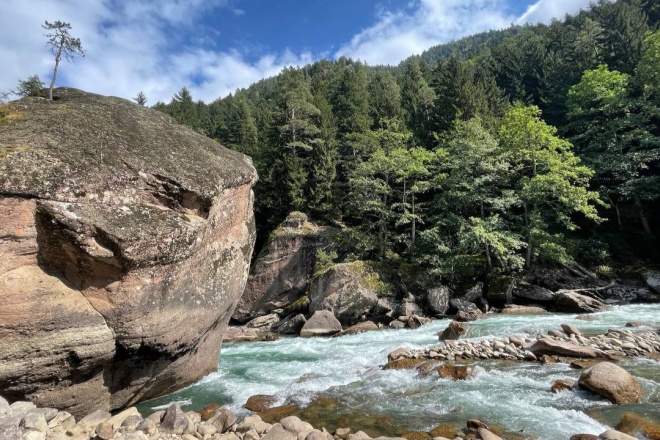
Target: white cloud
{"type": "Point", "coordinates": [545, 10]}
{"type": "Point", "coordinates": [139, 45]}
{"type": "Point", "coordinates": [131, 46]}
{"type": "Point", "coordinates": [397, 35]}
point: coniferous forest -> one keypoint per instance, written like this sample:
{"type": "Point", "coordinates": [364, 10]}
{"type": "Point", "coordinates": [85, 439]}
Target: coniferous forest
{"type": "Point", "coordinates": [527, 146]}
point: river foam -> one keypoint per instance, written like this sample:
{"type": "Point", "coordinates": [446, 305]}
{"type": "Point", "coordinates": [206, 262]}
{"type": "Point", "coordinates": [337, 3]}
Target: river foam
{"type": "Point", "coordinates": [514, 395]}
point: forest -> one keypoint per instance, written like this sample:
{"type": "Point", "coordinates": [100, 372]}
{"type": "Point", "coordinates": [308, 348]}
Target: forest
{"type": "Point", "coordinates": [533, 145]}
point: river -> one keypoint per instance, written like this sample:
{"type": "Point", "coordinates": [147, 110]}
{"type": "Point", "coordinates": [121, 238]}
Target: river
{"type": "Point", "coordinates": [355, 391]}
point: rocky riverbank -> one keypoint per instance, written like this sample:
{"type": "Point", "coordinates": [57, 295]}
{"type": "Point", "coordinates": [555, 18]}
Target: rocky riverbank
{"type": "Point", "coordinates": [24, 421]}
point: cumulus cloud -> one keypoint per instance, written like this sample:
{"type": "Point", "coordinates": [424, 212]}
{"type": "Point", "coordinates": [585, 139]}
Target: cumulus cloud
{"type": "Point", "coordinates": [399, 34]}
{"type": "Point", "coordinates": [132, 46]}
{"type": "Point", "coordinates": [156, 46]}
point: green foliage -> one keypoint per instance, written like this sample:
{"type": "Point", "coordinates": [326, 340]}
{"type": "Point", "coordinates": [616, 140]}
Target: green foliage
{"type": "Point", "coordinates": [32, 86]}
{"type": "Point", "coordinates": [450, 162]}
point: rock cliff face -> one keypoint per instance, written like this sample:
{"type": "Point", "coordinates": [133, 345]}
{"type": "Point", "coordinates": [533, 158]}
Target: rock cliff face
{"type": "Point", "coordinates": [125, 241]}
{"type": "Point", "coordinates": [283, 270]}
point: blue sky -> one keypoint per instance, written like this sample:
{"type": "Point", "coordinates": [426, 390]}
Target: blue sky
{"type": "Point", "coordinates": [214, 47]}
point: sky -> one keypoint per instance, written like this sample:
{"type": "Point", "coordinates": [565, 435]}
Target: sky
{"type": "Point", "coordinates": [214, 47]}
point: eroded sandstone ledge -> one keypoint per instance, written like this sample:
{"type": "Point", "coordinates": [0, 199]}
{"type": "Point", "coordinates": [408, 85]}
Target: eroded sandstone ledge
{"type": "Point", "coordinates": [125, 241]}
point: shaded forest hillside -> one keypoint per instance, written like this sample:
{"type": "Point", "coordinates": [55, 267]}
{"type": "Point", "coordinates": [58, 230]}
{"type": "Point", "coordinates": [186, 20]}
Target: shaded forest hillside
{"type": "Point", "coordinates": [490, 154]}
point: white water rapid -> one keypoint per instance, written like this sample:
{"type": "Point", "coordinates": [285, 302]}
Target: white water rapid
{"type": "Point", "coordinates": [346, 370]}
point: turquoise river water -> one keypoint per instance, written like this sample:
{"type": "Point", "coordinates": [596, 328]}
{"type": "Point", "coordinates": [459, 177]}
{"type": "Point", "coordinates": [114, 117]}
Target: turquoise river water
{"type": "Point", "coordinates": [345, 373]}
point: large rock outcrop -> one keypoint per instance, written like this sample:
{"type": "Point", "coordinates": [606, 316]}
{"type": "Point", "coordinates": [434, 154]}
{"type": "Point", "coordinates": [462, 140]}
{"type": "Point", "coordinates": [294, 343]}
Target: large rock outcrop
{"type": "Point", "coordinates": [125, 241]}
{"type": "Point", "coordinates": [283, 270]}
{"type": "Point", "coordinates": [353, 291]}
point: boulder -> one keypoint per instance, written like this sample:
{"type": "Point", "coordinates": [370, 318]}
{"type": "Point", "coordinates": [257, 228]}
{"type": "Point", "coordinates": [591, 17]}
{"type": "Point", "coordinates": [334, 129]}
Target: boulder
{"type": "Point", "coordinates": [570, 301]}
{"type": "Point", "coordinates": [9, 427]}
{"type": "Point", "coordinates": [455, 372]}
{"type": "Point", "coordinates": [352, 291]}
{"type": "Point", "coordinates": [485, 434]}
{"type": "Point", "coordinates": [514, 309]}
{"type": "Point", "coordinates": [531, 293]}
{"type": "Point", "coordinates": [564, 348]}
{"type": "Point", "coordinates": [284, 267]}
{"type": "Point", "coordinates": [279, 433]}
{"type": "Point", "coordinates": [263, 322]}
{"type": "Point", "coordinates": [131, 242]}
{"type": "Point", "coordinates": [399, 353]}
{"type": "Point", "coordinates": [500, 291]}
{"type": "Point", "coordinates": [453, 331]}
{"type": "Point", "coordinates": [292, 324]}
{"type": "Point", "coordinates": [612, 434]}
{"type": "Point", "coordinates": [409, 306]}
{"type": "Point", "coordinates": [611, 382]}
{"type": "Point", "coordinates": [360, 327]}
{"type": "Point", "coordinates": [584, 437]}
{"type": "Point", "coordinates": [562, 385]}
{"type": "Point", "coordinates": [416, 321]}
{"type": "Point", "coordinates": [464, 310]}
{"type": "Point", "coordinates": [437, 299]}
{"type": "Point", "coordinates": [239, 334]}
{"type": "Point", "coordinates": [259, 402]}
{"type": "Point", "coordinates": [570, 329]}
{"type": "Point", "coordinates": [652, 280]}
{"type": "Point", "coordinates": [473, 292]}
{"type": "Point", "coordinates": [322, 323]}
{"type": "Point", "coordinates": [397, 325]}
{"type": "Point", "coordinates": [174, 421]}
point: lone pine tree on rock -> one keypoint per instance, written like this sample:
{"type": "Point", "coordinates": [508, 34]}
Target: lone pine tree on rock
{"type": "Point", "coordinates": [61, 44]}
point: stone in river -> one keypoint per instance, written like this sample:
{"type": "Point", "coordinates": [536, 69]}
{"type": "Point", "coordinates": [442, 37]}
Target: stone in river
{"type": "Point", "coordinates": [570, 329]}
{"type": "Point", "coordinates": [322, 323]}
{"type": "Point", "coordinates": [453, 331]}
{"type": "Point", "coordinates": [584, 437]}
{"type": "Point", "coordinates": [564, 348]}
{"type": "Point", "coordinates": [611, 382]}
{"type": "Point", "coordinates": [485, 434]}
{"type": "Point", "coordinates": [562, 385]}
{"type": "Point", "coordinates": [259, 402]}
{"type": "Point", "coordinates": [615, 435]}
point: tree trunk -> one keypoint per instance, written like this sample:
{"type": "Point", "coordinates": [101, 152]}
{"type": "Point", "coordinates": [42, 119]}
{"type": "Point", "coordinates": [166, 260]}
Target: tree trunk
{"type": "Point", "coordinates": [412, 243]}
{"type": "Point", "coordinates": [489, 261]}
{"type": "Point", "coordinates": [642, 216]}
{"type": "Point", "coordinates": [528, 253]}
{"type": "Point", "coordinates": [58, 57]}
{"type": "Point", "coordinates": [618, 213]}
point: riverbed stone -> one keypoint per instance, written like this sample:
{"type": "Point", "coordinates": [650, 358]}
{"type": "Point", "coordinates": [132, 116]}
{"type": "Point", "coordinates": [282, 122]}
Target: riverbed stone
{"type": "Point", "coordinates": [292, 324]}
{"type": "Point", "coordinates": [564, 348]}
{"type": "Point", "coordinates": [485, 434]}
{"type": "Point", "coordinates": [569, 301]}
{"type": "Point", "coordinates": [570, 330]}
{"type": "Point", "coordinates": [147, 426]}
{"type": "Point", "coordinates": [322, 323]}
{"type": "Point", "coordinates": [259, 402]}
{"type": "Point", "coordinates": [611, 382]}
{"type": "Point", "coordinates": [455, 372]}
{"type": "Point", "coordinates": [584, 437]}
{"type": "Point", "coordinates": [279, 433]}
{"type": "Point", "coordinates": [612, 434]}
{"type": "Point", "coordinates": [174, 421]}
{"type": "Point", "coordinates": [360, 327]}
{"type": "Point", "coordinates": [295, 425]}
{"type": "Point", "coordinates": [453, 331]}
{"type": "Point", "coordinates": [562, 385]}
{"type": "Point", "coordinates": [104, 431]}
{"type": "Point", "coordinates": [263, 322]}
